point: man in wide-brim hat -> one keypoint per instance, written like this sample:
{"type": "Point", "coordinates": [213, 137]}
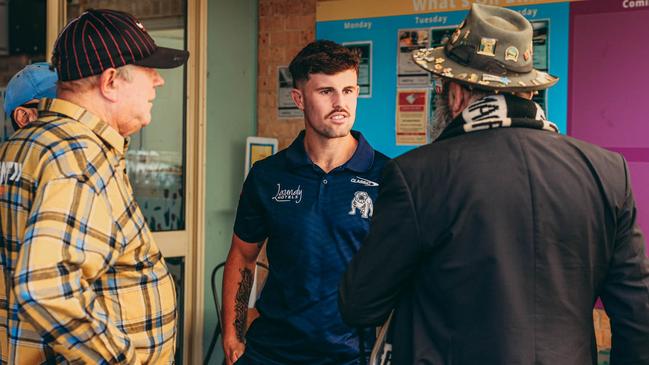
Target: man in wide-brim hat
{"type": "Point", "coordinates": [492, 243]}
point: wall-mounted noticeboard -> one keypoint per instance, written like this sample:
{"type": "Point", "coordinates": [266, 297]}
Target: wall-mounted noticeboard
{"type": "Point", "coordinates": [394, 28]}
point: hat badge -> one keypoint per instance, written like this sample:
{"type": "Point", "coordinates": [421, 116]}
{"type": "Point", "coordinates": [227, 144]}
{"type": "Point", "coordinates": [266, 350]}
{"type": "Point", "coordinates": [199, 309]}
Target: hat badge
{"type": "Point", "coordinates": [511, 54]}
{"type": "Point", "coordinates": [487, 47]}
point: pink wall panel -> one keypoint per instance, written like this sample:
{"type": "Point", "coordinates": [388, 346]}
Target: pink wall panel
{"type": "Point", "coordinates": [608, 83]}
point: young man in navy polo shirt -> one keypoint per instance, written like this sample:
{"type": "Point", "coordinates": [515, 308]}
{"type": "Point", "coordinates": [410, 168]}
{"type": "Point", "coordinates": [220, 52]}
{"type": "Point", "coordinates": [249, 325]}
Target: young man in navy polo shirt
{"type": "Point", "coordinates": [313, 201]}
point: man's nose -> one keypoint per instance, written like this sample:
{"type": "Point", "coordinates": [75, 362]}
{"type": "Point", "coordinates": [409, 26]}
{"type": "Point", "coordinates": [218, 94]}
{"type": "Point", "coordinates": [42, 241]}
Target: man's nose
{"type": "Point", "coordinates": [157, 79]}
{"type": "Point", "coordinates": [337, 100]}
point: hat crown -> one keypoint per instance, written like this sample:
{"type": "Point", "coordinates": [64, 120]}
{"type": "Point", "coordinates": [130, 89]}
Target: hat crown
{"type": "Point", "coordinates": [100, 39]}
{"type": "Point", "coordinates": [494, 40]}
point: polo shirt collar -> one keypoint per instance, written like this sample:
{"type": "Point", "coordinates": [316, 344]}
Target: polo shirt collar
{"type": "Point", "coordinates": [104, 131]}
{"type": "Point", "coordinates": [361, 160]}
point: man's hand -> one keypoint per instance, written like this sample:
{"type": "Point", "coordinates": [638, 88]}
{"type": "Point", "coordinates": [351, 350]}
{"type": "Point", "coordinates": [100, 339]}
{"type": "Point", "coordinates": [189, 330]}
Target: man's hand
{"type": "Point", "coordinates": [233, 349]}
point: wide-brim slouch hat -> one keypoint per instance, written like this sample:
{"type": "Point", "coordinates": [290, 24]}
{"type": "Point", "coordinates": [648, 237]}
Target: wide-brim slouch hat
{"type": "Point", "coordinates": [491, 49]}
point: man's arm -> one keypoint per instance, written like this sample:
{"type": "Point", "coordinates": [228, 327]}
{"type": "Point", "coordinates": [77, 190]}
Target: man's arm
{"type": "Point", "coordinates": [370, 288]}
{"type": "Point", "coordinates": [626, 290]}
{"type": "Point", "coordinates": [237, 281]}
{"type": "Point", "coordinates": [69, 242]}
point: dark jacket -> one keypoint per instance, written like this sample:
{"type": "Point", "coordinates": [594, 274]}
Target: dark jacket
{"type": "Point", "coordinates": [493, 247]}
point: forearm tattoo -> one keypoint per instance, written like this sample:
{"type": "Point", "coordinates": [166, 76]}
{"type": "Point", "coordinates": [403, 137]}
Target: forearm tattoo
{"type": "Point", "coordinates": [241, 302]}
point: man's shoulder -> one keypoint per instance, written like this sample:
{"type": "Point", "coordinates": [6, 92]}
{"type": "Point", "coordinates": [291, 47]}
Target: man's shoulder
{"type": "Point", "coordinates": [380, 157]}
{"type": "Point", "coordinates": [60, 148]}
{"type": "Point", "coordinates": [415, 156]}
{"type": "Point", "coordinates": [276, 162]}
{"type": "Point", "coordinates": [437, 156]}
{"type": "Point", "coordinates": [591, 148]}
{"type": "Point", "coordinates": [51, 131]}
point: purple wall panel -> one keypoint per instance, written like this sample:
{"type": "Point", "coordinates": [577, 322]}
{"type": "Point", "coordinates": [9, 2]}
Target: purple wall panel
{"type": "Point", "coordinates": [608, 103]}
{"type": "Point", "coordinates": [609, 75]}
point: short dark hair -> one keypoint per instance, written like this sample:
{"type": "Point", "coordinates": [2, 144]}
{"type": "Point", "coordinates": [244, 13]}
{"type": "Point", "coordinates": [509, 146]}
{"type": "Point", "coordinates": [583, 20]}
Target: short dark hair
{"type": "Point", "coordinates": [325, 57]}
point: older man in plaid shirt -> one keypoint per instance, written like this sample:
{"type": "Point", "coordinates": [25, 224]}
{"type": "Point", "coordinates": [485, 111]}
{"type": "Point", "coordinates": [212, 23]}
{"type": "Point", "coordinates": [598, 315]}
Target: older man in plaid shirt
{"type": "Point", "coordinates": [83, 281]}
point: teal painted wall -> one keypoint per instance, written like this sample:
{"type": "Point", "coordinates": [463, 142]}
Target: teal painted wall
{"type": "Point", "coordinates": [231, 117]}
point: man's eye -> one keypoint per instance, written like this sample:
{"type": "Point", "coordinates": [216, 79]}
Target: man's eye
{"type": "Point", "coordinates": [325, 92]}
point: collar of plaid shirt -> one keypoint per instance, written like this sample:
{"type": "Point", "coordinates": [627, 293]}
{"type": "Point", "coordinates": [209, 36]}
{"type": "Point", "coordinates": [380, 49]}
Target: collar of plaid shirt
{"type": "Point", "coordinates": [104, 131]}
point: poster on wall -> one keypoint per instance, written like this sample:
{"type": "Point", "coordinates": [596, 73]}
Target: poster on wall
{"type": "Point", "coordinates": [408, 73]}
{"type": "Point", "coordinates": [423, 24]}
{"type": "Point", "coordinates": [258, 148]}
{"type": "Point", "coordinates": [364, 49]}
{"type": "Point", "coordinates": [286, 108]}
{"type": "Point", "coordinates": [412, 117]}
{"type": "Point", "coordinates": [440, 35]}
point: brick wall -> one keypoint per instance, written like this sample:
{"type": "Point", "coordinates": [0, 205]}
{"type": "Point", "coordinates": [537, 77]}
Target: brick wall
{"type": "Point", "coordinates": [285, 27]}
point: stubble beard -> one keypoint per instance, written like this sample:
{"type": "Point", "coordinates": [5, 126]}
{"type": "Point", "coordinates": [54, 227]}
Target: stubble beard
{"type": "Point", "coordinates": [330, 132]}
{"type": "Point", "coordinates": [442, 117]}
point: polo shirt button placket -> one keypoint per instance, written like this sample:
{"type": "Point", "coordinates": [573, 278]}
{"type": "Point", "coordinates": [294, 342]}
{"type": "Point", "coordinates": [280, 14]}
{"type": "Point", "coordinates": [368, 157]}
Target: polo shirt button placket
{"type": "Point", "coordinates": [322, 194]}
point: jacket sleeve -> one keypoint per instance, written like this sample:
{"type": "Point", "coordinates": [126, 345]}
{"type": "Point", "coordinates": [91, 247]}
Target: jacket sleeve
{"type": "Point", "coordinates": [375, 277]}
{"type": "Point", "coordinates": [626, 290]}
{"type": "Point", "coordinates": [70, 241]}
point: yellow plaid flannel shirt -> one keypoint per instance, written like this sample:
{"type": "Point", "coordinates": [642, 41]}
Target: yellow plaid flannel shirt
{"type": "Point", "coordinates": [82, 279]}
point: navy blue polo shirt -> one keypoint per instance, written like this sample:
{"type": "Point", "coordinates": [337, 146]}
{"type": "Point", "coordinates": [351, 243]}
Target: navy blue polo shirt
{"type": "Point", "coordinates": [315, 222]}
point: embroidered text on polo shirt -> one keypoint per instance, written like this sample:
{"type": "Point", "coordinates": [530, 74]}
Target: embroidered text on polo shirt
{"type": "Point", "coordinates": [366, 182]}
{"type": "Point", "coordinates": [287, 195]}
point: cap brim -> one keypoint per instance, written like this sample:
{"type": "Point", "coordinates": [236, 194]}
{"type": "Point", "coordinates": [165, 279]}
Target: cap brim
{"type": "Point", "coordinates": [435, 61]}
{"type": "Point", "coordinates": [164, 58]}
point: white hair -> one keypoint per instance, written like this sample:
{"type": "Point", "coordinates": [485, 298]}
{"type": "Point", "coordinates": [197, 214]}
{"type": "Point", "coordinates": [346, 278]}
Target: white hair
{"type": "Point", "coordinates": [87, 83]}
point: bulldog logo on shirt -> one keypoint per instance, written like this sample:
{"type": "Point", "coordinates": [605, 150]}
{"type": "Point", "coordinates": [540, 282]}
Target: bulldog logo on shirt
{"type": "Point", "coordinates": [363, 203]}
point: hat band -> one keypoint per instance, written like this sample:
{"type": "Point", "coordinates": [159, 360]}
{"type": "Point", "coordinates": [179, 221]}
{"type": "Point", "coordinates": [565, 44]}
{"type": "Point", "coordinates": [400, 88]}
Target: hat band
{"type": "Point", "coordinates": [466, 55]}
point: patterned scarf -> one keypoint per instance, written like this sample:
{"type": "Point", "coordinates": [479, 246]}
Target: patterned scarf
{"type": "Point", "coordinates": [498, 111]}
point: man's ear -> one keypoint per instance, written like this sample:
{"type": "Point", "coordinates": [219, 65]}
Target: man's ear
{"type": "Point", "coordinates": [458, 98]}
{"type": "Point", "coordinates": [24, 116]}
{"type": "Point", "coordinates": [109, 84]}
{"type": "Point", "coordinates": [298, 98]}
